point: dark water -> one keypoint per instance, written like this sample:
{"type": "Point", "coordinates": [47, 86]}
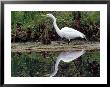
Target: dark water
{"type": "Point", "coordinates": [56, 64]}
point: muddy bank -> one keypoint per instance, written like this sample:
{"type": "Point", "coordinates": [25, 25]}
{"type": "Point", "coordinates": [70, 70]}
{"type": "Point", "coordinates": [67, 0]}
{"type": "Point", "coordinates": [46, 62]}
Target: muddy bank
{"type": "Point", "coordinates": [55, 46]}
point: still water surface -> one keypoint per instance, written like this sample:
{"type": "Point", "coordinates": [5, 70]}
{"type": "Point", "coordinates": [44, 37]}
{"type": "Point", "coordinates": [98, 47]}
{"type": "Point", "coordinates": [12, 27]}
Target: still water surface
{"type": "Point", "coordinates": [77, 63]}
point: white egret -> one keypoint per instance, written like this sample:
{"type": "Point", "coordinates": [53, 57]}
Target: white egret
{"type": "Point", "coordinates": [67, 57]}
{"type": "Point", "coordinates": [66, 32]}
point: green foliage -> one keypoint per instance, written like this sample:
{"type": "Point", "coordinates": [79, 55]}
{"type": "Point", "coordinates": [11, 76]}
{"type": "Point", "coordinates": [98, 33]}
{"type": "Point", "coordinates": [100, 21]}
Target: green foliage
{"type": "Point", "coordinates": [41, 27]}
{"type": "Point", "coordinates": [34, 18]}
{"type": "Point", "coordinates": [90, 17]}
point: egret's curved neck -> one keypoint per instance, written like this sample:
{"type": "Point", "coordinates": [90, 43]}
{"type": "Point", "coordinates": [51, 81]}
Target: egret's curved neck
{"type": "Point", "coordinates": [55, 26]}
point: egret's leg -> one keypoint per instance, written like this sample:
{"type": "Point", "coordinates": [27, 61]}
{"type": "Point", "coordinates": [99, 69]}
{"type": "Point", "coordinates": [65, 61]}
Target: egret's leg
{"type": "Point", "coordinates": [68, 41]}
{"type": "Point", "coordinates": [61, 39]}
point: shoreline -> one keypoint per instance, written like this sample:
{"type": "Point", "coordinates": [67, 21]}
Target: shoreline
{"type": "Point", "coordinates": [54, 46]}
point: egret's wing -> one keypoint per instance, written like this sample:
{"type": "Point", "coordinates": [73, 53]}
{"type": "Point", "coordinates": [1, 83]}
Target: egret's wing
{"type": "Point", "coordinates": [67, 29]}
{"type": "Point", "coordinates": [70, 32]}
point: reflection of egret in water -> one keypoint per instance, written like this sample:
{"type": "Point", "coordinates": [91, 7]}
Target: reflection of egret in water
{"type": "Point", "coordinates": [67, 57]}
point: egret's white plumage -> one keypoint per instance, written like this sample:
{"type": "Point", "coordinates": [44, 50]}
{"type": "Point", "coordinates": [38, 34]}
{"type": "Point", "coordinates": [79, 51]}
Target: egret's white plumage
{"type": "Point", "coordinates": [66, 32]}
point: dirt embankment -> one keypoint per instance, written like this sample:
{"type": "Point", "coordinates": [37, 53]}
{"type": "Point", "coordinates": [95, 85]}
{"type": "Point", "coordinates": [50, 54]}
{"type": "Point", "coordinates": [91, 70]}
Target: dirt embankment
{"type": "Point", "coordinates": [54, 46]}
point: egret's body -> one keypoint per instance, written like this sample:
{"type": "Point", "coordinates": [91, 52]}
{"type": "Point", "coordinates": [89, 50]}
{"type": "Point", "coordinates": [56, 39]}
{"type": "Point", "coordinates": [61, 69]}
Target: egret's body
{"type": "Point", "coordinates": [66, 32]}
{"type": "Point", "coordinates": [70, 33]}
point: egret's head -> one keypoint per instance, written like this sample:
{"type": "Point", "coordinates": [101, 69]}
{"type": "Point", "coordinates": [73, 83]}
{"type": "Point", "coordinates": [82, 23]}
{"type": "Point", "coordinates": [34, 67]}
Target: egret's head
{"type": "Point", "coordinates": [51, 16]}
